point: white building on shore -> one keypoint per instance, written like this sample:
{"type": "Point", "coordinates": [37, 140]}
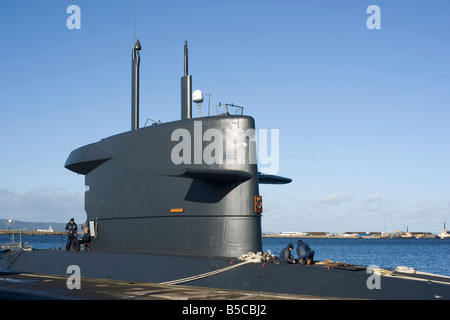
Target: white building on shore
{"type": "Point", "coordinates": [49, 230]}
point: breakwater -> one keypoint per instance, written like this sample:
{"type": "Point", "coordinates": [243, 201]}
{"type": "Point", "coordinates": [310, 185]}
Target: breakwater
{"type": "Point", "coordinates": [30, 232]}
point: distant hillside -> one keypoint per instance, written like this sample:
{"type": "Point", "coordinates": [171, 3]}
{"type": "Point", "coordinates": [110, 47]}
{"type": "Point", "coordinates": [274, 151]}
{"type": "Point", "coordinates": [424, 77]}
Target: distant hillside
{"type": "Point", "coordinates": [31, 226]}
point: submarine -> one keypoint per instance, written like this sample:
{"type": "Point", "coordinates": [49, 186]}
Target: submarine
{"type": "Point", "coordinates": [179, 203]}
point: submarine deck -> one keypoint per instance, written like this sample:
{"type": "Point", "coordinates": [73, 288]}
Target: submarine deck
{"type": "Point", "coordinates": [30, 286]}
{"type": "Point", "coordinates": [21, 270]}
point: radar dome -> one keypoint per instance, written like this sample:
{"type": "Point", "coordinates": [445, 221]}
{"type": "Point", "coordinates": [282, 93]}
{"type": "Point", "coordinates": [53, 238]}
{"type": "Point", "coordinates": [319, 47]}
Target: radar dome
{"type": "Point", "coordinates": [197, 96]}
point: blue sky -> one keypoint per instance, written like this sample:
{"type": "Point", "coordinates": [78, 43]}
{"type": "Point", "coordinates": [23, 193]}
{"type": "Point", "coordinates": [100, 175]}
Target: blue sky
{"type": "Point", "coordinates": [363, 114]}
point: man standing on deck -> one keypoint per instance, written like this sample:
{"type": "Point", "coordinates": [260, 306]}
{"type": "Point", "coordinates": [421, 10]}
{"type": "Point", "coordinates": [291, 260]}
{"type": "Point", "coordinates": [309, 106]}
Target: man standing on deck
{"type": "Point", "coordinates": [286, 256]}
{"type": "Point", "coordinates": [71, 228]}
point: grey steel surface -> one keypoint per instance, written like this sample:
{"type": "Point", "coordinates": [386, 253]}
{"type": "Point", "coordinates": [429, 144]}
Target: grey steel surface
{"type": "Point", "coordinates": [311, 280]}
{"type": "Point", "coordinates": [133, 184]}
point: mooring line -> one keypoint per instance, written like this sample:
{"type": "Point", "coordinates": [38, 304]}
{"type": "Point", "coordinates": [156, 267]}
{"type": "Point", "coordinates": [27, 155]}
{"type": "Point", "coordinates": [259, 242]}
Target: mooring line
{"type": "Point", "coordinates": [204, 275]}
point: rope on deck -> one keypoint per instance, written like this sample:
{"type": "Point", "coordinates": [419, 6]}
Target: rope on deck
{"type": "Point", "coordinates": [204, 275]}
{"type": "Point", "coordinates": [250, 257]}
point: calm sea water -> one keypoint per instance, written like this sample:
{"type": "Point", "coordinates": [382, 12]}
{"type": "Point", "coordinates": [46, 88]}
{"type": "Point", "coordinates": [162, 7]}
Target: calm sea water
{"type": "Point", "coordinates": [427, 255]}
{"type": "Point", "coordinates": [37, 242]}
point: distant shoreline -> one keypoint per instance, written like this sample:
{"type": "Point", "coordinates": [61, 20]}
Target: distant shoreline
{"type": "Point", "coordinates": [58, 233]}
{"type": "Point", "coordinates": [31, 233]}
{"type": "Point", "coordinates": [342, 237]}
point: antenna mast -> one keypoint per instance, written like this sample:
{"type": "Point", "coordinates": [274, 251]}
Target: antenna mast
{"type": "Point", "coordinates": [134, 26]}
{"type": "Point", "coordinates": [136, 59]}
{"type": "Point", "coordinates": [186, 89]}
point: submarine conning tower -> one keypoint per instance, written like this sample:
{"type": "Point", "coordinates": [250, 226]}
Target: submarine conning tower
{"type": "Point", "coordinates": [187, 187]}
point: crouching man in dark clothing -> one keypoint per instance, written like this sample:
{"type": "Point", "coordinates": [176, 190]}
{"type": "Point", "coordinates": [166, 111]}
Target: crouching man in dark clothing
{"type": "Point", "coordinates": [286, 256]}
{"type": "Point", "coordinates": [304, 253]}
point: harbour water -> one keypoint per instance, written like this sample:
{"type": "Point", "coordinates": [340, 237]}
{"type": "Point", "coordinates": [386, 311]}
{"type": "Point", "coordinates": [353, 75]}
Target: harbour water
{"type": "Point", "coordinates": [426, 255]}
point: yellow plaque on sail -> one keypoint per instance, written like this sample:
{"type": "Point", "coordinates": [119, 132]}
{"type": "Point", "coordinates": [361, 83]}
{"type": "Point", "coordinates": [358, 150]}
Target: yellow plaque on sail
{"type": "Point", "coordinates": [258, 204]}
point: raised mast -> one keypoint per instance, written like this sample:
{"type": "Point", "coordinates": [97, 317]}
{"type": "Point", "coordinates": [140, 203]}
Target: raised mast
{"type": "Point", "coordinates": [186, 89]}
{"type": "Point", "coordinates": [135, 86]}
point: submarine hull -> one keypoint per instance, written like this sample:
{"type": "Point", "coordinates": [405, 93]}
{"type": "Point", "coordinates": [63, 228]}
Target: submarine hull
{"type": "Point", "coordinates": [223, 273]}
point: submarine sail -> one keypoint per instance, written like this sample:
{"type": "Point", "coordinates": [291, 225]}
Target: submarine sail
{"type": "Point", "coordinates": [143, 199]}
